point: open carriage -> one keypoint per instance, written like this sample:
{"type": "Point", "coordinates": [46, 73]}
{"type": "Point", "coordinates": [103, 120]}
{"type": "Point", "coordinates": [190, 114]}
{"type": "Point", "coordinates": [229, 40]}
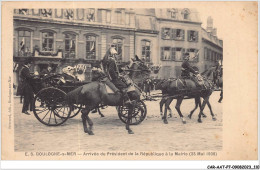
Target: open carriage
{"type": "Point", "coordinates": [52, 109]}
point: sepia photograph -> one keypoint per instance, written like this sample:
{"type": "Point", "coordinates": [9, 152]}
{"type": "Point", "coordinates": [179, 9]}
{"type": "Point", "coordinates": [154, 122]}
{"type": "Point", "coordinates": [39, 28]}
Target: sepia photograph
{"type": "Point", "coordinates": [125, 82]}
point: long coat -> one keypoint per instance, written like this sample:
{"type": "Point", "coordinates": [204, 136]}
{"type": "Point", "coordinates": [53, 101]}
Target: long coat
{"type": "Point", "coordinates": [27, 89]}
{"type": "Point", "coordinates": [112, 71]}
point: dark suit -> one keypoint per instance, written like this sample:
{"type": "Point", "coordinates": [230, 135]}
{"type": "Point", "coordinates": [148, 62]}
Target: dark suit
{"type": "Point", "coordinates": [27, 88]}
{"type": "Point", "coordinates": [186, 69]}
{"type": "Point", "coordinates": [113, 73]}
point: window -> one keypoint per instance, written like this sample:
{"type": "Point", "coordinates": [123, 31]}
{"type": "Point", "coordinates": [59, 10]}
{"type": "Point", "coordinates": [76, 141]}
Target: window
{"type": "Point", "coordinates": [173, 13]}
{"type": "Point", "coordinates": [212, 56]}
{"type": "Point", "coordinates": [70, 46]}
{"type": "Point", "coordinates": [91, 15]}
{"type": "Point", "coordinates": [91, 47]}
{"type": "Point", "coordinates": [46, 12]}
{"type": "Point", "coordinates": [24, 43]}
{"type": "Point", "coordinates": [179, 54]}
{"type": "Point", "coordinates": [118, 17]}
{"type": "Point", "coordinates": [118, 44]}
{"type": "Point", "coordinates": [208, 54]}
{"type": "Point", "coordinates": [193, 36]}
{"type": "Point", "coordinates": [186, 14]}
{"type": "Point", "coordinates": [166, 53]}
{"type": "Point", "coordinates": [127, 19]}
{"type": "Point", "coordinates": [193, 54]}
{"type": "Point", "coordinates": [146, 50]}
{"type": "Point", "coordinates": [69, 14]}
{"type": "Point", "coordinates": [108, 16]}
{"type": "Point", "coordinates": [166, 33]}
{"type": "Point", "coordinates": [47, 41]}
{"type": "Point", "coordinates": [178, 34]}
{"type": "Point", "coordinates": [205, 53]}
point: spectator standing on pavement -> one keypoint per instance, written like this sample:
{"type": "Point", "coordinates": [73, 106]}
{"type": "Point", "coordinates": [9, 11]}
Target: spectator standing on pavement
{"type": "Point", "coordinates": [27, 90]}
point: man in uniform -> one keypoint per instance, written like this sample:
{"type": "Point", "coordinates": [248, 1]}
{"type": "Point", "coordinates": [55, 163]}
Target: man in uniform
{"type": "Point", "coordinates": [111, 69]}
{"type": "Point", "coordinates": [26, 78]}
{"type": "Point", "coordinates": [187, 69]}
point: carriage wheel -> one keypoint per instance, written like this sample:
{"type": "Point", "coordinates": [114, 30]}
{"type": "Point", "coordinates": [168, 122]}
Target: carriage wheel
{"type": "Point", "coordinates": [50, 107]}
{"type": "Point", "coordinates": [138, 115]}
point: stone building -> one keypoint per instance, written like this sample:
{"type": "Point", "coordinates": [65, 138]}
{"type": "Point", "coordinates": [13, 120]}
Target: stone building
{"type": "Point", "coordinates": [159, 37]}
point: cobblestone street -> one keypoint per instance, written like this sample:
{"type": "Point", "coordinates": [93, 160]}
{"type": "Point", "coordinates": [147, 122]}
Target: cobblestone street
{"type": "Point", "coordinates": [110, 133]}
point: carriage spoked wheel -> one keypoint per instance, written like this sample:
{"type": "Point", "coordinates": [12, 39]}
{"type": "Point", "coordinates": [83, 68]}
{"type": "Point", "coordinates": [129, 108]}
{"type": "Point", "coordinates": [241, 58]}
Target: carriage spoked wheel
{"type": "Point", "coordinates": [50, 106]}
{"type": "Point", "coordinates": [138, 115]}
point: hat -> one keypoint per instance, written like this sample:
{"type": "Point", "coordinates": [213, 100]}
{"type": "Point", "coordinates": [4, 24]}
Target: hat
{"type": "Point", "coordinates": [28, 61]}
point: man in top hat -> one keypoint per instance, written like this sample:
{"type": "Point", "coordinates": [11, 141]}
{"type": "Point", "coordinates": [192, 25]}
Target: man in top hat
{"type": "Point", "coordinates": [26, 78]}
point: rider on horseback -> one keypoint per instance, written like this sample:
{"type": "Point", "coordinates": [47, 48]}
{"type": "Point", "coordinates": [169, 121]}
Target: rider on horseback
{"type": "Point", "coordinates": [187, 69]}
{"type": "Point", "coordinates": [111, 69]}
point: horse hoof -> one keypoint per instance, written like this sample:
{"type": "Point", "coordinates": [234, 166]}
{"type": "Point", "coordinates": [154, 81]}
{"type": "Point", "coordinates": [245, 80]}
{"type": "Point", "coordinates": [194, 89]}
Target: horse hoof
{"type": "Point", "coordinates": [165, 121]}
{"type": "Point", "coordinates": [102, 116]}
{"type": "Point", "coordinates": [189, 116]}
{"type": "Point", "coordinates": [130, 132]}
{"type": "Point", "coordinates": [184, 121]}
{"type": "Point", "coordinates": [91, 133]}
{"type": "Point", "coordinates": [170, 116]}
{"type": "Point", "coordinates": [204, 116]}
{"type": "Point", "coordinates": [214, 119]}
{"type": "Point", "coordinates": [199, 120]}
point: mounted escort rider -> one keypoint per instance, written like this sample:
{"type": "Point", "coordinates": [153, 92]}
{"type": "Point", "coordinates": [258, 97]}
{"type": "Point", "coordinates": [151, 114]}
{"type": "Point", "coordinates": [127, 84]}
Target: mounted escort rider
{"type": "Point", "coordinates": [187, 69]}
{"type": "Point", "coordinates": [110, 68]}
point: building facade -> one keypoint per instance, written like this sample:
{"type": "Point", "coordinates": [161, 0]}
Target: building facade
{"type": "Point", "coordinates": [159, 37]}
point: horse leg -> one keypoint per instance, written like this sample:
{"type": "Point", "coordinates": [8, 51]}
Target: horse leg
{"type": "Point", "coordinates": [203, 115]}
{"type": "Point", "coordinates": [178, 106]}
{"type": "Point", "coordinates": [221, 96]}
{"type": "Point", "coordinates": [129, 118]}
{"type": "Point", "coordinates": [90, 132]}
{"type": "Point", "coordinates": [170, 110]}
{"type": "Point", "coordinates": [167, 103]}
{"type": "Point", "coordinates": [161, 106]}
{"type": "Point", "coordinates": [99, 112]}
{"type": "Point", "coordinates": [84, 113]}
{"type": "Point", "coordinates": [196, 106]}
{"type": "Point", "coordinates": [211, 112]}
{"type": "Point", "coordinates": [201, 109]}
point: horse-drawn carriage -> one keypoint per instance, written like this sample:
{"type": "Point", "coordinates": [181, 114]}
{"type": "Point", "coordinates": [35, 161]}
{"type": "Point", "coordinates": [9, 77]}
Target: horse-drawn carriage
{"type": "Point", "coordinates": [52, 106]}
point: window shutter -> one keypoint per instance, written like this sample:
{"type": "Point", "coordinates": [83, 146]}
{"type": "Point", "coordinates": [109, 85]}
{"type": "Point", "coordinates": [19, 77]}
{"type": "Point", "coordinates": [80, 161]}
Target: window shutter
{"type": "Point", "coordinates": [197, 55]}
{"type": "Point", "coordinates": [174, 31]}
{"type": "Point", "coordinates": [188, 37]}
{"type": "Point", "coordinates": [183, 51]}
{"type": "Point", "coordinates": [173, 53]}
{"type": "Point", "coordinates": [183, 34]}
{"type": "Point", "coordinates": [162, 54]}
{"type": "Point", "coordinates": [163, 36]}
{"type": "Point", "coordinates": [197, 36]}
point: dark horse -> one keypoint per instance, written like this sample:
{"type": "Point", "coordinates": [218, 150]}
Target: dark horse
{"type": "Point", "coordinates": [93, 94]}
{"type": "Point", "coordinates": [175, 89]}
